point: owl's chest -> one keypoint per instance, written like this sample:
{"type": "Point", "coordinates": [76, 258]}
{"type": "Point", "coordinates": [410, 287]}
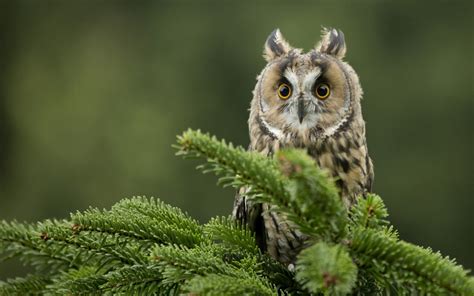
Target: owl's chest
{"type": "Point", "coordinates": [344, 156]}
{"type": "Point", "coordinates": [346, 159]}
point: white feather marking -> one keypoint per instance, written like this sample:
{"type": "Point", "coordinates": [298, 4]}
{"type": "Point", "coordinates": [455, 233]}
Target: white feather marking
{"type": "Point", "coordinates": [331, 130]}
{"type": "Point", "coordinates": [308, 122]}
{"type": "Point", "coordinates": [263, 105]}
{"type": "Point", "coordinates": [273, 130]}
{"type": "Point", "coordinates": [293, 79]}
{"type": "Point", "coordinates": [310, 78]}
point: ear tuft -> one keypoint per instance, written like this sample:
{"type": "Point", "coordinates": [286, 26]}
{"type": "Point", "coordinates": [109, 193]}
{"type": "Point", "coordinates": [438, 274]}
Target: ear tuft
{"type": "Point", "coordinates": [275, 46]}
{"type": "Point", "coordinates": [332, 43]}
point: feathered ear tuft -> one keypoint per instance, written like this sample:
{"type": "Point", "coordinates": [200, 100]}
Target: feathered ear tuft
{"type": "Point", "coordinates": [332, 43]}
{"type": "Point", "coordinates": [275, 46]}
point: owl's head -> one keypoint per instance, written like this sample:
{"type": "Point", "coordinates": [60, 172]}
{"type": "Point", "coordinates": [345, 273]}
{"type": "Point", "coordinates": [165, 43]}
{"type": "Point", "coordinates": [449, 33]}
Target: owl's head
{"type": "Point", "coordinates": [311, 94]}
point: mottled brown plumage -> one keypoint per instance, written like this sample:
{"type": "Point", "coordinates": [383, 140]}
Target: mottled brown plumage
{"type": "Point", "coordinates": [311, 101]}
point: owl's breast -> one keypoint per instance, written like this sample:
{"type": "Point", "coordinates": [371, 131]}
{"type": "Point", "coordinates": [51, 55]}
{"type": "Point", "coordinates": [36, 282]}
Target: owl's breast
{"type": "Point", "coordinates": [346, 158]}
{"type": "Point", "coordinates": [344, 154]}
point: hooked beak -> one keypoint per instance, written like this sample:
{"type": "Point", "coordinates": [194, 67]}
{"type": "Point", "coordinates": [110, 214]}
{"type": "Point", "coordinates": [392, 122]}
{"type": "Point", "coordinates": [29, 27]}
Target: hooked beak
{"type": "Point", "coordinates": [301, 110]}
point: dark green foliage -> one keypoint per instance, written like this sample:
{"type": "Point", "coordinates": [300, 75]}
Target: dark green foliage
{"type": "Point", "coordinates": [150, 220]}
{"type": "Point", "coordinates": [143, 246]}
{"type": "Point", "coordinates": [326, 268]}
{"type": "Point", "coordinates": [108, 252]}
{"type": "Point", "coordinates": [19, 286]}
{"type": "Point", "coordinates": [407, 266]}
{"type": "Point", "coordinates": [226, 231]}
{"type": "Point", "coordinates": [34, 248]}
{"type": "Point", "coordinates": [84, 280]}
{"type": "Point", "coordinates": [218, 284]}
{"type": "Point", "coordinates": [369, 212]}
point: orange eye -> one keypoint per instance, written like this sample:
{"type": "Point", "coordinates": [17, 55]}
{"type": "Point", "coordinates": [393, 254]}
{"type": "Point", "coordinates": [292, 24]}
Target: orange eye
{"type": "Point", "coordinates": [322, 91]}
{"type": "Point", "coordinates": [284, 91]}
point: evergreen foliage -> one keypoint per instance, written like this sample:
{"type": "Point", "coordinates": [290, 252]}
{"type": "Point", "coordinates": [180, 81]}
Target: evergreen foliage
{"type": "Point", "coordinates": [326, 268]}
{"type": "Point", "coordinates": [144, 246]}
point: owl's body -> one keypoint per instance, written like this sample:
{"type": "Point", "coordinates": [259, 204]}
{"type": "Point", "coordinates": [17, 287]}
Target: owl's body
{"type": "Point", "coordinates": [309, 101]}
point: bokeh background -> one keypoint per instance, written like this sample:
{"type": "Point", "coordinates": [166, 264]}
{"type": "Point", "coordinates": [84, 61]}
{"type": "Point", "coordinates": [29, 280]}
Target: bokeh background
{"type": "Point", "coordinates": [93, 93]}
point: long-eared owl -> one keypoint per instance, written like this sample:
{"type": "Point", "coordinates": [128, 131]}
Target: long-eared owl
{"type": "Point", "coordinates": [311, 101]}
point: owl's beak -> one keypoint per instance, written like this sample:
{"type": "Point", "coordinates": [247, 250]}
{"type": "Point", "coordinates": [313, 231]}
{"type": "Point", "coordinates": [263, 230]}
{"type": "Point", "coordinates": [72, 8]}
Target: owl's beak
{"type": "Point", "coordinates": [301, 110]}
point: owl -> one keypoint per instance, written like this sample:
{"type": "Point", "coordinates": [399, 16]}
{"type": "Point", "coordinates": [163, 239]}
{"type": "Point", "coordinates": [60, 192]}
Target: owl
{"type": "Point", "coordinates": [311, 101]}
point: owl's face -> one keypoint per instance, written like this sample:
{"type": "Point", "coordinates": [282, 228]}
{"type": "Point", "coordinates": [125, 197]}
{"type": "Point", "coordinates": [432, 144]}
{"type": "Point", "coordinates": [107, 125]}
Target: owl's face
{"type": "Point", "coordinates": [306, 93]}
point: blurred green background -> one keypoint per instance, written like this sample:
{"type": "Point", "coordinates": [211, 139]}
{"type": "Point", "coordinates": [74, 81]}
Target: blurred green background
{"type": "Point", "coordinates": [93, 93]}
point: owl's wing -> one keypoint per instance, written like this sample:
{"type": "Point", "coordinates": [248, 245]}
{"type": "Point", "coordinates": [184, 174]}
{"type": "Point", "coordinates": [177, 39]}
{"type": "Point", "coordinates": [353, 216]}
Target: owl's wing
{"type": "Point", "coordinates": [250, 213]}
{"type": "Point", "coordinates": [239, 212]}
{"type": "Point", "coordinates": [370, 174]}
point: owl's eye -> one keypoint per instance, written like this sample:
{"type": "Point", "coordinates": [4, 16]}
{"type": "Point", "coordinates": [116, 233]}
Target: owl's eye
{"type": "Point", "coordinates": [322, 91]}
{"type": "Point", "coordinates": [284, 91]}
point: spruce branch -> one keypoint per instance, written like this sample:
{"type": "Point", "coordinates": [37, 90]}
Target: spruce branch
{"type": "Point", "coordinates": [142, 219]}
{"type": "Point", "coordinates": [181, 265]}
{"type": "Point", "coordinates": [103, 249]}
{"type": "Point", "coordinates": [33, 247]}
{"type": "Point", "coordinates": [82, 281]}
{"type": "Point", "coordinates": [227, 231]}
{"type": "Point", "coordinates": [326, 268]}
{"type": "Point", "coordinates": [369, 212]}
{"type": "Point", "coordinates": [200, 260]}
{"type": "Point", "coordinates": [404, 264]}
{"type": "Point", "coordinates": [135, 279]}
{"type": "Point", "coordinates": [29, 285]}
{"type": "Point", "coordinates": [159, 211]}
{"type": "Point", "coordinates": [146, 279]}
{"type": "Point", "coordinates": [218, 284]}
{"type": "Point", "coordinates": [139, 280]}
{"type": "Point", "coordinates": [280, 276]}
